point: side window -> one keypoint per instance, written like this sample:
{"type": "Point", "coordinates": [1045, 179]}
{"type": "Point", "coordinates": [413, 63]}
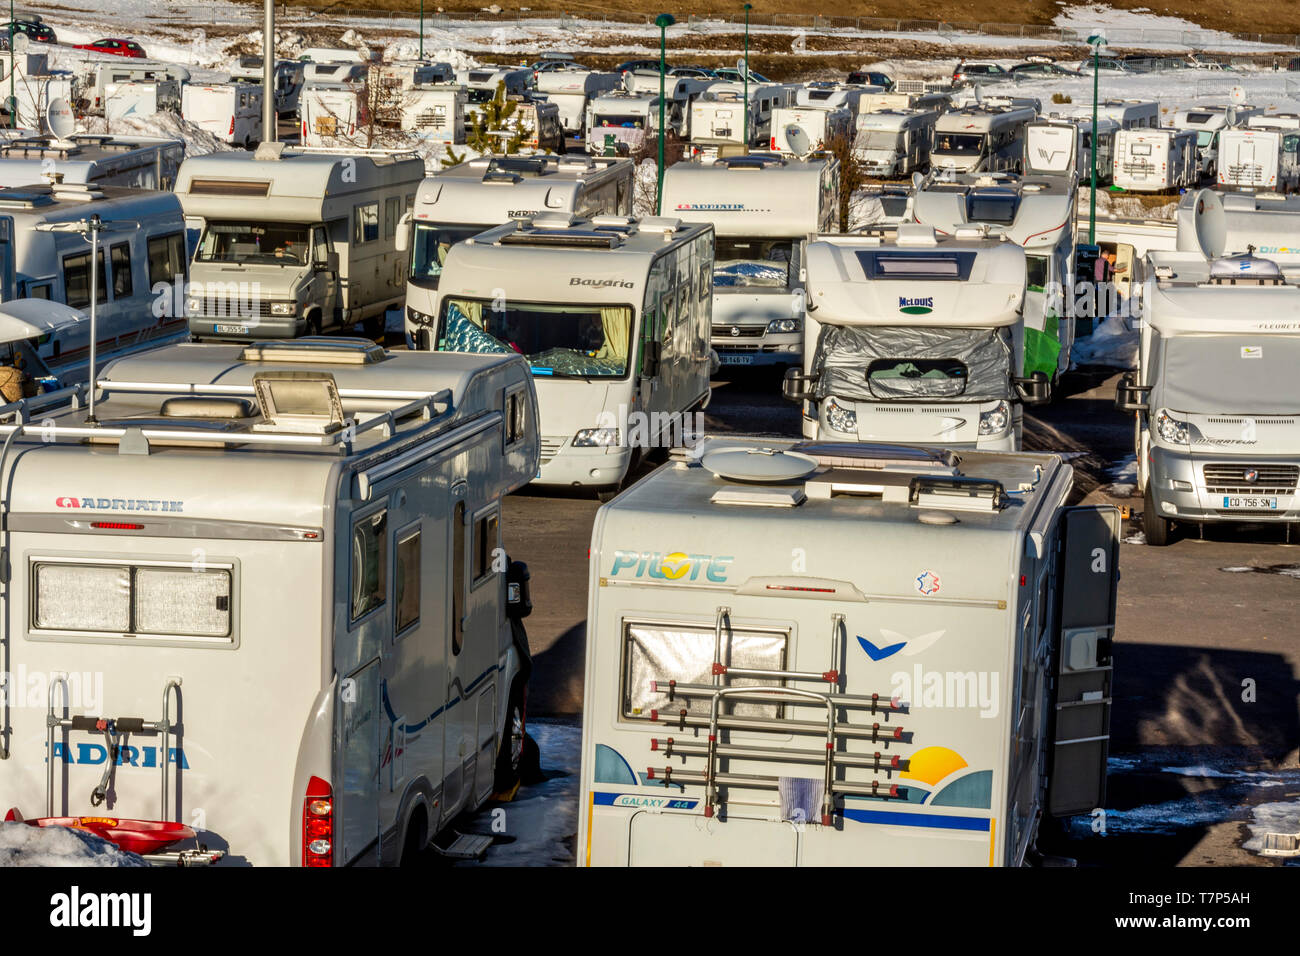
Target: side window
{"type": "Point", "coordinates": [458, 588]}
{"type": "Point", "coordinates": [76, 280]}
{"type": "Point", "coordinates": [369, 563]}
{"type": "Point", "coordinates": [392, 210]}
{"type": "Point", "coordinates": [320, 245]}
{"type": "Point", "coordinates": [366, 225]}
{"type": "Point", "coordinates": [410, 201]}
{"type": "Point", "coordinates": [487, 539]}
{"type": "Point", "coordinates": [120, 263]}
{"type": "Point", "coordinates": [516, 412]}
{"type": "Point", "coordinates": [166, 255]}
{"type": "Point", "coordinates": [41, 291]}
{"type": "Point", "coordinates": [408, 579]}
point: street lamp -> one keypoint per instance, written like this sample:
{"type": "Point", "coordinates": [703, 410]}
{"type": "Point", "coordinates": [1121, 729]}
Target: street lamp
{"type": "Point", "coordinates": [663, 22]}
{"type": "Point", "coordinates": [421, 30]}
{"type": "Point", "coordinates": [1096, 41]}
{"type": "Point", "coordinates": [748, 7]}
{"type": "Point", "coordinates": [13, 102]}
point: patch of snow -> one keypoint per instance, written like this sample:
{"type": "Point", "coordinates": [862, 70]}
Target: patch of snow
{"type": "Point", "coordinates": [1113, 343]}
{"type": "Point", "coordinates": [1283, 818]}
{"type": "Point", "coordinates": [1137, 538]}
{"type": "Point", "coordinates": [23, 845]}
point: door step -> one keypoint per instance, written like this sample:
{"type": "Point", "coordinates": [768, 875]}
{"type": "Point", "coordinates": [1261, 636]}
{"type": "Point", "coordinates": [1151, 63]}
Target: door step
{"type": "Point", "coordinates": [465, 846]}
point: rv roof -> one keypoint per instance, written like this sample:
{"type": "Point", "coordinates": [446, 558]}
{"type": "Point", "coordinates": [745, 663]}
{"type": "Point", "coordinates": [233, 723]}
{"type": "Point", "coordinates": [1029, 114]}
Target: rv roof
{"type": "Point", "coordinates": [75, 201]}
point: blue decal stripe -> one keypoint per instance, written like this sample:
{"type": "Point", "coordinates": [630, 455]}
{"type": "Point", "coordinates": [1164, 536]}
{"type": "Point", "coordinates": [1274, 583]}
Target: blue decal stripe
{"type": "Point", "coordinates": [415, 728]}
{"type": "Point", "coordinates": [937, 821]}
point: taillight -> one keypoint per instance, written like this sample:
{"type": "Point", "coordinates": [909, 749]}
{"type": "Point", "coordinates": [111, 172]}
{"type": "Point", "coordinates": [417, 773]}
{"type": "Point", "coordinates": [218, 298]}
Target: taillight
{"type": "Point", "coordinates": [304, 131]}
{"type": "Point", "coordinates": [318, 824]}
{"type": "Point", "coordinates": [773, 144]}
{"type": "Point", "coordinates": [232, 127]}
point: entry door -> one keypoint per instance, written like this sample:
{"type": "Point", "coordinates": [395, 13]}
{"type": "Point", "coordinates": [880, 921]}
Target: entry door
{"type": "Point", "coordinates": [325, 282]}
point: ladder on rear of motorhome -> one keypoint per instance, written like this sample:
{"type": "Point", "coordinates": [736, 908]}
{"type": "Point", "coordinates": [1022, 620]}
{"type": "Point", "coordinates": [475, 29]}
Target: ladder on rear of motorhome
{"type": "Point", "coordinates": [831, 729]}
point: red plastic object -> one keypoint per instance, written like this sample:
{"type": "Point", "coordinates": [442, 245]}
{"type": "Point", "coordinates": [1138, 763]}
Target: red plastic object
{"type": "Point", "coordinates": [134, 836]}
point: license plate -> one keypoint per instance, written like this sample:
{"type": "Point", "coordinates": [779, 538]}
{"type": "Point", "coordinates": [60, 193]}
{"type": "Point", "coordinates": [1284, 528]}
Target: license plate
{"type": "Point", "coordinates": [737, 359]}
{"type": "Point", "coordinates": [1249, 503]}
{"type": "Point", "coordinates": [230, 329]}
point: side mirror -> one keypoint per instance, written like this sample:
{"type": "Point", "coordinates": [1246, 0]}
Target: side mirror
{"type": "Point", "coordinates": [651, 352]}
{"type": "Point", "coordinates": [403, 237]}
{"type": "Point", "coordinates": [331, 262]}
{"type": "Point", "coordinates": [1035, 390]}
{"type": "Point", "coordinates": [519, 595]}
{"type": "Point", "coordinates": [1131, 397]}
{"type": "Point", "coordinates": [796, 386]}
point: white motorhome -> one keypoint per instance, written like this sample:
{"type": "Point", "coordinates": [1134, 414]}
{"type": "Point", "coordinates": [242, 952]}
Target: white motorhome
{"type": "Point", "coordinates": [169, 75]}
{"type": "Point", "coordinates": [817, 127]}
{"type": "Point", "coordinates": [936, 101]}
{"type": "Point", "coordinates": [332, 54]}
{"type": "Point", "coordinates": [1126, 114]}
{"type": "Point", "coordinates": [408, 74]}
{"type": "Point", "coordinates": [930, 682]}
{"type": "Point", "coordinates": [980, 138]}
{"type": "Point", "coordinates": [326, 672]}
{"type": "Point", "coordinates": [1207, 120]}
{"type": "Point", "coordinates": [139, 100]}
{"type": "Point", "coordinates": [1218, 414]}
{"type": "Point", "coordinates": [918, 340]}
{"type": "Point", "coordinates": [481, 84]}
{"type": "Point", "coordinates": [232, 112]}
{"type": "Point", "coordinates": [719, 115]}
{"type": "Point", "coordinates": [619, 122]}
{"type": "Point", "coordinates": [142, 162]}
{"type": "Point", "coordinates": [893, 144]}
{"type": "Point", "coordinates": [474, 196]}
{"type": "Point", "coordinates": [833, 95]}
{"type": "Point", "coordinates": [34, 95]}
{"type": "Point", "coordinates": [612, 314]}
{"type": "Point", "coordinates": [334, 115]}
{"type": "Point", "coordinates": [570, 90]}
{"type": "Point", "coordinates": [140, 267]}
{"type": "Point", "coordinates": [435, 112]}
{"type": "Point", "coordinates": [1154, 160]}
{"type": "Point", "coordinates": [289, 77]}
{"type": "Point", "coordinates": [761, 208]}
{"type": "Point", "coordinates": [1251, 158]}
{"type": "Point", "coordinates": [1216, 224]}
{"type": "Point", "coordinates": [306, 236]}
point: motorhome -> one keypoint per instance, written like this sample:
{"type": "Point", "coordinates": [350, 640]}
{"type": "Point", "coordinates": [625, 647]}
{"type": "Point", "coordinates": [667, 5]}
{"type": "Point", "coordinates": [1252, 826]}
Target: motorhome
{"type": "Point", "coordinates": [341, 645]}
{"type": "Point", "coordinates": [1218, 418]}
{"type": "Point", "coordinates": [761, 207]}
{"type": "Point", "coordinates": [893, 144]}
{"type": "Point", "coordinates": [980, 138]}
{"type": "Point", "coordinates": [1036, 211]}
{"type": "Point", "coordinates": [539, 121]}
{"type": "Point", "coordinates": [833, 95]}
{"type": "Point", "coordinates": [612, 314]}
{"type": "Point", "coordinates": [1207, 120]}
{"type": "Point", "coordinates": [329, 54]}
{"type": "Point", "coordinates": [140, 264]}
{"type": "Point", "coordinates": [1130, 240]}
{"type": "Point", "coordinates": [168, 75]}
{"type": "Point", "coordinates": [619, 123]}
{"type": "Point", "coordinates": [925, 684]}
{"type": "Point", "coordinates": [915, 339]}
{"type": "Point", "coordinates": [1126, 114]}
{"type": "Point", "coordinates": [143, 162]}
{"type": "Point", "coordinates": [334, 115]}
{"type": "Point", "coordinates": [34, 95]}
{"type": "Point", "coordinates": [570, 91]}
{"type": "Point", "coordinates": [139, 100]}
{"type": "Point", "coordinates": [289, 78]}
{"type": "Point", "coordinates": [1251, 158]}
{"type": "Point", "coordinates": [1216, 224]}
{"type": "Point", "coordinates": [435, 112]}
{"type": "Point", "coordinates": [308, 235]}
{"type": "Point", "coordinates": [408, 74]}
{"type": "Point", "coordinates": [800, 130]}
{"type": "Point", "coordinates": [315, 74]}
{"type": "Point", "coordinates": [232, 112]}
{"type": "Point", "coordinates": [1154, 160]}
{"type": "Point", "coordinates": [1274, 121]}
{"type": "Point", "coordinates": [873, 102]}
{"type": "Point", "coordinates": [1106, 130]}
{"type": "Point", "coordinates": [474, 196]}
{"type": "Point", "coordinates": [481, 84]}
{"type": "Point", "coordinates": [720, 116]}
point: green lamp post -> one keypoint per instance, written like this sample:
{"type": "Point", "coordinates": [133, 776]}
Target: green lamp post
{"type": "Point", "coordinates": [748, 7]}
{"type": "Point", "coordinates": [421, 29]}
{"type": "Point", "coordinates": [1096, 41]}
{"type": "Point", "coordinates": [663, 22]}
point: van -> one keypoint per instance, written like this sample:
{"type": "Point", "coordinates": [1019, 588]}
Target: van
{"type": "Point", "coordinates": [324, 673]}
{"type": "Point", "coordinates": [139, 100]}
{"type": "Point", "coordinates": [231, 112]}
{"type": "Point", "coordinates": [1259, 159]}
{"type": "Point", "coordinates": [819, 128]}
{"type": "Point", "coordinates": [306, 238]}
{"type": "Point", "coordinates": [612, 314]}
{"type": "Point", "coordinates": [172, 77]}
{"type": "Point", "coordinates": [761, 206]}
{"type": "Point", "coordinates": [289, 77]}
{"type": "Point", "coordinates": [142, 162]}
{"type": "Point", "coordinates": [893, 144]}
{"type": "Point", "coordinates": [1154, 160]}
{"type": "Point", "coordinates": [927, 682]}
{"type": "Point", "coordinates": [472, 197]}
{"type": "Point", "coordinates": [980, 138]}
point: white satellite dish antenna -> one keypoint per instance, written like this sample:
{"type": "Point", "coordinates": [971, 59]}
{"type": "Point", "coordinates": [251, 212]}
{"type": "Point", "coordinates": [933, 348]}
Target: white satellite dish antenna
{"type": "Point", "coordinates": [742, 67]}
{"type": "Point", "coordinates": [978, 93]}
{"type": "Point", "coordinates": [21, 42]}
{"type": "Point", "coordinates": [797, 139]}
{"type": "Point", "coordinates": [1237, 94]}
{"type": "Point", "coordinates": [59, 119]}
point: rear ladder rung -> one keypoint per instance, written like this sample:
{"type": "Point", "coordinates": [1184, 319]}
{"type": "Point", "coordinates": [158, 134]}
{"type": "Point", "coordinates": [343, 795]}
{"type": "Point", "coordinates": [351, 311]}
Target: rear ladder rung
{"type": "Point", "coordinates": [872, 702]}
{"type": "Point", "coordinates": [876, 733]}
{"type": "Point", "coordinates": [669, 776]}
{"type": "Point", "coordinates": [877, 763]}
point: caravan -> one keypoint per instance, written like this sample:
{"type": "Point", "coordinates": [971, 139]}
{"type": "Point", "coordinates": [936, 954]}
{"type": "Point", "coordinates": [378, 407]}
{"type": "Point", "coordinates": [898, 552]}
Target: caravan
{"type": "Point", "coordinates": [335, 115]}
{"type": "Point", "coordinates": [720, 116]}
{"type": "Point", "coordinates": [612, 314]}
{"type": "Point", "coordinates": [916, 340]}
{"type": "Point", "coordinates": [980, 138]}
{"type": "Point", "coordinates": [475, 196]}
{"type": "Point", "coordinates": [926, 682]}
{"type": "Point", "coordinates": [324, 673]}
{"type": "Point", "coordinates": [1217, 413]}
{"type": "Point", "coordinates": [295, 241]}
{"type": "Point", "coordinates": [1154, 160]}
{"type": "Point", "coordinates": [142, 162]}
{"type": "Point", "coordinates": [817, 129]}
{"type": "Point", "coordinates": [1251, 158]}
{"type": "Point", "coordinates": [289, 77]}
{"type": "Point", "coordinates": [761, 207]}
{"type": "Point", "coordinates": [231, 112]}
{"type": "Point", "coordinates": [571, 90]}
{"type": "Point", "coordinates": [1206, 121]}
{"type": "Point", "coordinates": [170, 78]}
{"type": "Point", "coordinates": [893, 144]}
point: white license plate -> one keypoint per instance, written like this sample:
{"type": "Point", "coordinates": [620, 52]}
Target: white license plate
{"type": "Point", "coordinates": [230, 329]}
{"type": "Point", "coordinates": [1249, 503]}
{"type": "Point", "coordinates": [737, 359]}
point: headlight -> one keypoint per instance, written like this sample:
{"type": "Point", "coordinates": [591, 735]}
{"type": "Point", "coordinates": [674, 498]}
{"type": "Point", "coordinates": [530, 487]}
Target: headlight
{"type": "Point", "coordinates": [1171, 429]}
{"type": "Point", "coordinates": [418, 318]}
{"type": "Point", "coordinates": [284, 308]}
{"type": "Point", "coordinates": [596, 438]}
{"type": "Point", "coordinates": [194, 306]}
{"type": "Point", "coordinates": [784, 325]}
{"type": "Point", "coordinates": [995, 420]}
{"type": "Point", "coordinates": [840, 418]}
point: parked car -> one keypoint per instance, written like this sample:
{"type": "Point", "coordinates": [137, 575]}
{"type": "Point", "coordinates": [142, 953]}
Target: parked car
{"type": "Point", "coordinates": [631, 66]}
{"type": "Point", "coordinates": [735, 76]}
{"type": "Point", "coordinates": [36, 30]}
{"type": "Point", "coordinates": [693, 72]}
{"type": "Point", "coordinates": [116, 47]}
{"type": "Point", "coordinates": [1104, 65]}
{"type": "Point", "coordinates": [1040, 71]}
{"type": "Point", "coordinates": [978, 71]}
{"type": "Point", "coordinates": [870, 78]}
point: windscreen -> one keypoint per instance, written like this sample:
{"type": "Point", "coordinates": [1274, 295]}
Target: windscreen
{"type": "Point", "coordinates": [1230, 374]}
{"type": "Point", "coordinates": [962, 144]}
{"type": "Point", "coordinates": [882, 139]}
{"type": "Point", "coordinates": [479, 95]}
{"type": "Point", "coordinates": [249, 242]}
{"type": "Point", "coordinates": [752, 263]}
{"type": "Point", "coordinates": [430, 244]}
{"type": "Point", "coordinates": [1204, 138]}
{"type": "Point", "coordinates": [566, 341]}
{"type": "Point", "coordinates": [625, 120]}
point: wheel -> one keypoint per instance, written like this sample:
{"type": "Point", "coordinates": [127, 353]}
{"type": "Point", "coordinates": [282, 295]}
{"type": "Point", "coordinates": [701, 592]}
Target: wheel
{"type": "Point", "coordinates": [530, 763]}
{"type": "Point", "coordinates": [374, 326]}
{"type": "Point", "coordinates": [604, 495]}
{"type": "Point", "coordinates": [510, 755]}
{"type": "Point", "coordinates": [1155, 528]}
{"type": "Point", "coordinates": [313, 324]}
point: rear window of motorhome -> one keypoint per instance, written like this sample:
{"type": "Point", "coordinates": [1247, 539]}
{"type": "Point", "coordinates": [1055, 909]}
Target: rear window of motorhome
{"type": "Point", "coordinates": [1140, 149]}
{"type": "Point", "coordinates": [992, 207]}
{"type": "Point", "coordinates": [880, 264]}
{"type": "Point", "coordinates": [76, 280]}
{"type": "Point", "coordinates": [138, 599]}
{"type": "Point", "coordinates": [581, 341]}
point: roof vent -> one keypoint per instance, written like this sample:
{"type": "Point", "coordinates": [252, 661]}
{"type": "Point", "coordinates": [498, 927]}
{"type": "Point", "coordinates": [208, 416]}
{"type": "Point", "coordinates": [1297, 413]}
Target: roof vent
{"type": "Point", "coordinates": [207, 407]}
{"type": "Point", "coordinates": [268, 151]}
{"type": "Point", "coordinates": [758, 465]}
{"type": "Point", "coordinates": [1247, 269]}
{"type": "Point", "coordinates": [915, 234]}
{"type": "Point", "coordinates": [553, 220]}
{"type": "Point", "coordinates": [315, 350]}
{"type": "Point", "coordinates": [298, 402]}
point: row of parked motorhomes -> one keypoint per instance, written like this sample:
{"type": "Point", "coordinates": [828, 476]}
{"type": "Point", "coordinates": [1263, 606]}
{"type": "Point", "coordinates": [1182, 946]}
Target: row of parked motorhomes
{"type": "Point", "coordinates": [184, 469]}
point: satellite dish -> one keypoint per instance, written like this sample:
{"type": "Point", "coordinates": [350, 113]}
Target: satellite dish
{"type": "Point", "coordinates": [59, 119]}
{"type": "Point", "coordinates": [1237, 94]}
{"type": "Point", "coordinates": [742, 67]}
{"type": "Point", "coordinates": [978, 93]}
{"type": "Point", "coordinates": [21, 42]}
{"type": "Point", "coordinates": [758, 464]}
{"type": "Point", "coordinates": [798, 140]}
{"type": "Point", "coordinates": [917, 179]}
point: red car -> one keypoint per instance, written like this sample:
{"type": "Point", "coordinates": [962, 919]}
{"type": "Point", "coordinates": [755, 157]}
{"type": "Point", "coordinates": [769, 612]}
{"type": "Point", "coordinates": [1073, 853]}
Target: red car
{"type": "Point", "coordinates": [116, 47]}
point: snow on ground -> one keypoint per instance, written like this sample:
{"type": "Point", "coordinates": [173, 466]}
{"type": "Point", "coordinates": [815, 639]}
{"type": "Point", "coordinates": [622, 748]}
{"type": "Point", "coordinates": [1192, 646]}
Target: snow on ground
{"type": "Point", "coordinates": [1123, 480]}
{"type": "Point", "coordinates": [1088, 19]}
{"type": "Point", "coordinates": [1113, 343]}
{"type": "Point", "coordinates": [23, 845]}
{"type": "Point", "coordinates": [1282, 817]}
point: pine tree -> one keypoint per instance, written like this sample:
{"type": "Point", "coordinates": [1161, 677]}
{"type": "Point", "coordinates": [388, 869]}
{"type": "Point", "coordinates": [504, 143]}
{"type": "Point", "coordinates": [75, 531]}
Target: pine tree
{"type": "Point", "coordinates": [495, 117]}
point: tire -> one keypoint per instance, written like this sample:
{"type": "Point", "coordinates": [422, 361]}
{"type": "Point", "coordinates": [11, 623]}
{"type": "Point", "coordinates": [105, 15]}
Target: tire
{"type": "Point", "coordinates": [530, 764]}
{"type": "Point", "coordinates": [606, 495]}
{"type": "Point", "coordinates": [1154, 528]}
{"type": "Point", "coordinates": [374, 326]}
{"type": "Point", "coordinates": [510, 755]}
{"type": "Point", "coordinates": [313, 324]}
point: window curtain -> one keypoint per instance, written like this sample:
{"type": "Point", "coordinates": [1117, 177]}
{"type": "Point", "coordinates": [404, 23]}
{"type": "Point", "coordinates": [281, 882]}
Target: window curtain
{"type": "Point", "coordinates": [616, 322]}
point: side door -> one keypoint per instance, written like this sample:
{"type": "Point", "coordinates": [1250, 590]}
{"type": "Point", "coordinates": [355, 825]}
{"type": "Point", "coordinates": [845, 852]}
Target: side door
{"type": "Point", "coordinates": [1082, 670]}
{"type": "Point", "coordinates": [325, 276]}
{"type": "Point", "coordinates": [654, 315]}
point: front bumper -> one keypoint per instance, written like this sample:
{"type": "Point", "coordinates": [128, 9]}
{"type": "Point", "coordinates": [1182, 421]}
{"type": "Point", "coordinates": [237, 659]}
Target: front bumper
{"type": "Point", "coordinates": [770, 348]}
{"type": "Point", "coordinates": [1181, 490]}
{"type": "Point", "coordinates": [565, 465]}
{"type": "Point", "coordinates": [258, 327]}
